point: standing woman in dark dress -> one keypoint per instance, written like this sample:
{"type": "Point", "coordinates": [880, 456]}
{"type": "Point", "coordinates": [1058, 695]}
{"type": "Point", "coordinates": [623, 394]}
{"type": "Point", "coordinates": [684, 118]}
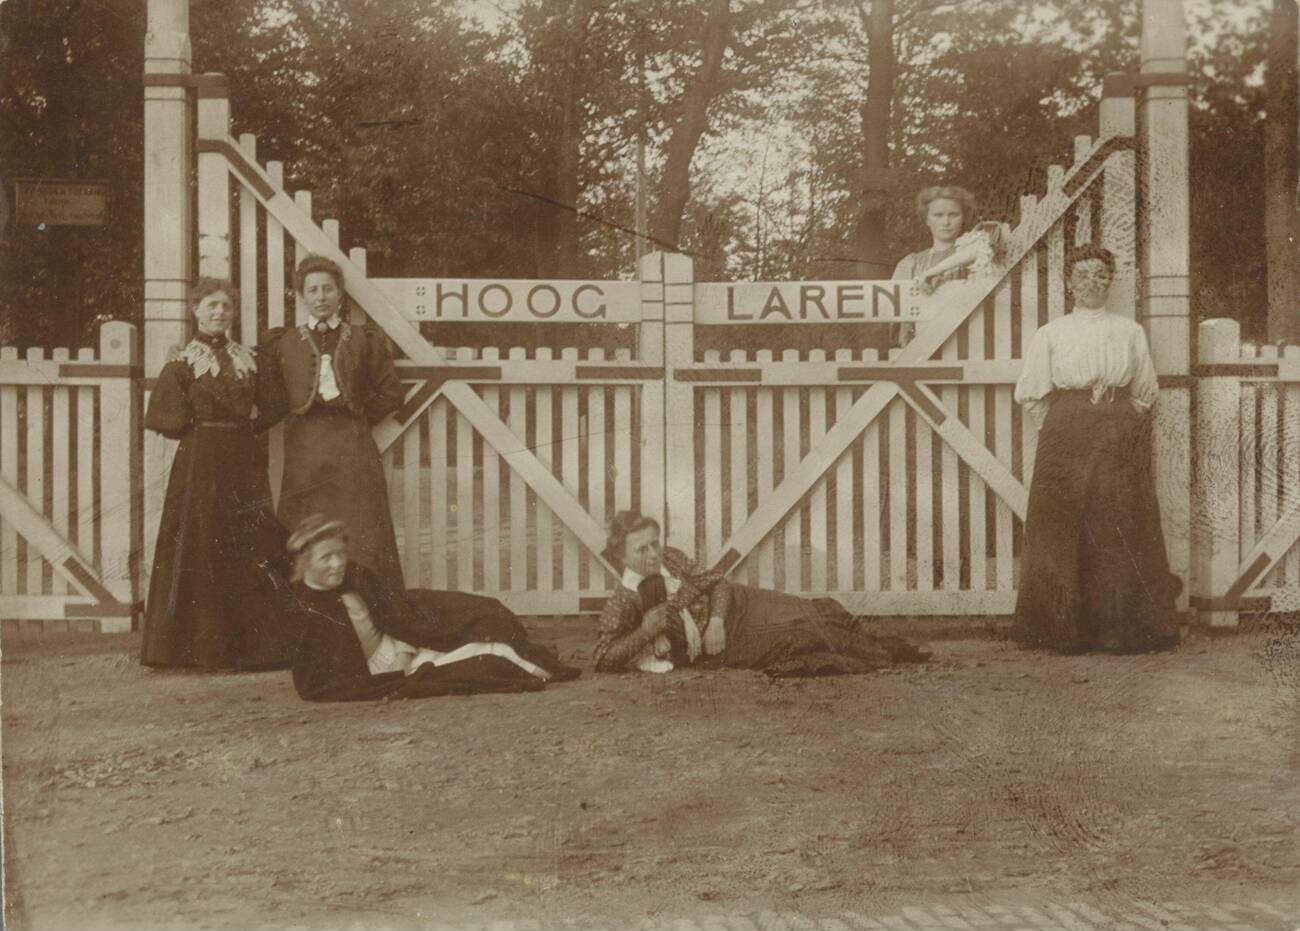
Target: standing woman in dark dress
{"type": "Point", "coordinates": [340, 380]}
{"type": "Point", "coordinates": [211, 601]}
{"type": "Point", "coordinates": [1094, 574]}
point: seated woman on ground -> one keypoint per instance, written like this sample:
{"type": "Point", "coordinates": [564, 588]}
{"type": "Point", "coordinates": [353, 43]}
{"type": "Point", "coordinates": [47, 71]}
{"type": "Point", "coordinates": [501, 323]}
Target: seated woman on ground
{"type": "Point", "coordinates": [358, 640]}
{"type": "Point", "coordinates": [669, 612]}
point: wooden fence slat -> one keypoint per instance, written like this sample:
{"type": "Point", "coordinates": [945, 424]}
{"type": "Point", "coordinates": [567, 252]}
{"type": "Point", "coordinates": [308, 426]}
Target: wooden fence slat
{"type": "Point", "coordinates": [924, 491]}
{"type": "Point", "coordinates": [1249, 451]}
{"type": "Point", "coordinates": [1056, 271]}
{"type": "Point", "coordinates": [517, 420]}
{"type": "Point", "coordinates": [1003, 412]}
{"type": "Point", "coordinates": [1291, 465]}
{"type": "Point", "coordinates": [1028, 327]}
{"type": "Point", "coordinates": [275, 288]}
{"type": "Point", "coordinates": [949, 478]}
{"type": "Point", "coordinates": [247, 251]}
{"type": "Point", "coordinates": [791, 554]}
{"type": "Point", "coordinates": [738, 417]}
{"type": "Point", "coordinates": [597, 469]}
{"type": "Point", "coordinates": [872, 495]}
{"type": "Point", "coordinates": [545, 539]}
{"type": "Point", "coordinates": [765, 433]}
{"type": "Point", "coordinates": [818, 541]}
{"type": "Point", "coordinates": [438, 504]}
{"type": "Point", "coordinates": [844, 536]}
{"type": "Point", "coordinates": [9, 542]}
{"type": "Point", "coordinates": [976, 490]}
{"type": "Point", "coordinates": [1270, 461]}
{"type": "Point", "coordinates": [570, 449]}
{"type": "Point", "coordinates": [711, 467]}
{"type": "Point", "coordinates": [300, 312]}
{"type": "Point", "coordinates": [898, 496]}
{"type": "Point", "coordinates": [61, 468]}
{"type": "Point", "coordinates": [412, 542]}
{"type": "Point", "coordinates": [86, 454]}
{"type": "Point", "coordinates": [464, 506]}
{"type": "Point", "coordinates": [491, 490]}
{"type": "Point", "coordinates": [622, 431]}
{"type": "Point", "coordinates": [34, 487]}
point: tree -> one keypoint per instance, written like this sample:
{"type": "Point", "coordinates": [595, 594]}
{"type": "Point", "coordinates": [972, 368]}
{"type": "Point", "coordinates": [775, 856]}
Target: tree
{"type": "Point", "coordinates": [1281, 227]}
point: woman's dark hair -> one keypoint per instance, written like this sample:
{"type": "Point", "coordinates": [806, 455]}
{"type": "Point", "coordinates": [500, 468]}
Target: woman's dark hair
{"type": "Point", "coordinates": [622, 525]}
{"type": "Point", "coordinates": [1090, 254]}
{"type": "Point", "coordinates": [204, 286]}
{"type": "Point", "coordinates": [928, 195]}
{"type": "Point", "coordinates": [316, 263]}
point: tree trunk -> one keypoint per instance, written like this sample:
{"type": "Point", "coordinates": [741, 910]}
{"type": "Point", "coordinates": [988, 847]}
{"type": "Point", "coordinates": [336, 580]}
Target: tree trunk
{"type": "Point", "coordinates": [564, 184]}
{"type": "Point", "coordinates": [1281, 155]}
{"type": "Point", "coordinates": [674, 188]}
{"type": "Point", "coordinates": [876, 189]}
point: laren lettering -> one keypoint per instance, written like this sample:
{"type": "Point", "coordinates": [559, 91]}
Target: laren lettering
{"type": "Point", "coordinates": [462, 295]}
{"type": "Point", "coordinates": [893, 294]}
{"type": "Point", "coordinates": [812, 294]}
{"type": "Point", "coordinates": [483, 305]}
{"type": "Point", "coordinates": [598, 311]}
{"type": "Point", "coordinates": [731, 306]}
{"type": "Point", "coordinates": [775, 305]}
{"type": "Point", "coordinates": [843, 294]}
{"type": "Point", "coordinates": [555, 302]}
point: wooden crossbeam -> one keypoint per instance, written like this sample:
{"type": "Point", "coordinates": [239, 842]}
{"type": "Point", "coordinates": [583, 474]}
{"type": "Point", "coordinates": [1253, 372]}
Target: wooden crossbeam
{"type": "Point", "coordinates": [62, 556]}
{"type": "Point", "coordinates": [969, 448]}
{"type": "Point", "coordinates": [962, 299]}
{"type": "Point", "coordinates": [381, 309]}
{"type": "Point", "coordinates": [1267, 552]}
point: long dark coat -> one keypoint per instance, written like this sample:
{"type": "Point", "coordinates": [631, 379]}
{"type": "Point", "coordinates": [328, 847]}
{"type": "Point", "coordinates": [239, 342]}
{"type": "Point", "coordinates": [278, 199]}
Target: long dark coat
{"type": "Point", "coordinates": [331, 463]}
{"type": "Point", "coordinates": [330, 665]}
{"type": "Point", "coordinates": [211, 600]}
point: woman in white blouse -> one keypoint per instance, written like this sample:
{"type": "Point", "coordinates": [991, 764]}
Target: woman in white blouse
{"type": "Point", "coordinates": [1094, 573]}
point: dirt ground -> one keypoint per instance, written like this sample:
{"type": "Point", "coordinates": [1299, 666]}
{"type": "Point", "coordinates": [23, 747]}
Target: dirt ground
{"type": "Point", "coordinates": [136, 798]}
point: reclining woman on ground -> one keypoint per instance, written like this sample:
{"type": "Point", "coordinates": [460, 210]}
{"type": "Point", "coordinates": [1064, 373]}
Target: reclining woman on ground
{"type": "Point", "coordinates": [358, 640]}
{"type": "Point", "coordinates": [669, 612]}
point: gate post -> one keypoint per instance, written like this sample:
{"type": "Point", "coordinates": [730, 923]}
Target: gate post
{"type": "Point", "coordinates": [213, 91]}
{"type": "Point", "coordinates": [1163, 255]}
{"type": "Point", "coordinates": [650, 351]}
{"type": "Point", "coordinates": [119, 481]}
{"type": "Point", "coordinates": [679, 405]}
{"type": "Point", "coordinates": [168, 228]}
{"type": "Point", "coordinates": [1119, 191]}
{"type": "Point", "coordinates": [1216, 497]}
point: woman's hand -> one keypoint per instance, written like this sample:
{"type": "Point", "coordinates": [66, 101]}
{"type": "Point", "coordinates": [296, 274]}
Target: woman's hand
{"type": "Point", "coordinates": [655, 620]}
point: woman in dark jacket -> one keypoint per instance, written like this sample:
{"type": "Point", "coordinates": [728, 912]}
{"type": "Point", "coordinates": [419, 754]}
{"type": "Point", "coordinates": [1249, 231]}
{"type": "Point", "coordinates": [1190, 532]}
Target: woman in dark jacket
{"type": "Point", "coordinates": [359, 640]}
{"type": "Point", "coordinates": [340, 380]}
{"type": "Point", "coordinates": [210, 599]}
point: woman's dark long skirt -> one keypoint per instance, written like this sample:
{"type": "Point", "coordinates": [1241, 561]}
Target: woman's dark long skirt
{"type": "Point", "coordinates": [332, 467]}
{"type": "Point", "coordinates": [212, 601]}
{"type": "Point", "coordinates": [791, 636]}
{"type": "Point", "coordinates": [1094, 574]}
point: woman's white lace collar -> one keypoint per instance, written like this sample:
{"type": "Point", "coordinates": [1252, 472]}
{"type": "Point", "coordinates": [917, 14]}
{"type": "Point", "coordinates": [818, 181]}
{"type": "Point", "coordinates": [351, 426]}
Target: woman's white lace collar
{"type": "Point", "coordinates": [202, 359]}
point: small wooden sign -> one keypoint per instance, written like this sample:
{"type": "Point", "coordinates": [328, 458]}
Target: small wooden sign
{"type": "Point", "coordinates": [484, 300]}
{"type": "Point", "coordinates": [806, 302]}
{"type": "Point", "coordinates": [58, 202]}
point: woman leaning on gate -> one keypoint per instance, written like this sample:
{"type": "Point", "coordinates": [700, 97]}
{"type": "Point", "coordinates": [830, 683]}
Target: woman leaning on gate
{"type": "Point", "coordinates": [211, 601]}
{"type": "Point", "coordinates": [1094, 574]}
{"type": "Point", "coordinates": [339, 378]}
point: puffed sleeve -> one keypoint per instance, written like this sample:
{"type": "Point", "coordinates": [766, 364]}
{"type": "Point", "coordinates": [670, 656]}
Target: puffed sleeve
{"type": "Point", "coordinates": [386, 391]}
{"type": "Point", "coordinates": [1144, 388]}
{"type": "Point", "coordinates": [272, 397]}
{"type": "Point", "coordinates": [1035, 382]}
{"type": "Point", "coordinates": [170, 411]}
